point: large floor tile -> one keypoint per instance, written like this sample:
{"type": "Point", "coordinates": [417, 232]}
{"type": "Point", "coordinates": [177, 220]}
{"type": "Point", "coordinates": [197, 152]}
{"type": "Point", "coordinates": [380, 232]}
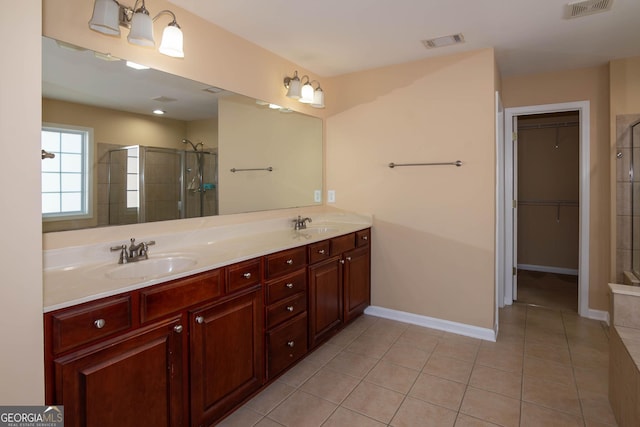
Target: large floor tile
{"type": "Point", "coordinates": [553, 395]}
{"type": "Point", "coordinates": [395, 377]}
{"type": "Point", "coordinates": [343, 417]}
{"type": "Point", "coordinates": [449, 368]}
{"type": "Point", "coordinates": [535, 416]}
{"type": "Point", "coordinates": [497, 381]}
{"type": "Point", "coordinates": [491, 407]}
{"type": "Point", "coordinates": [302, 410]}
{"type": "Point", "coordinates": [438, 391]}
{"type": "Point", "coordinates": [374, 401]}
{"type": "Point", "coordinates": [415, 412]}
{"type": "Point", "coordinates": [330, 385]}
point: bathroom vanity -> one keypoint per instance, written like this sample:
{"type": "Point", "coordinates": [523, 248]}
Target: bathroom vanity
{"type": "Point", "coordinates": [188, 350]}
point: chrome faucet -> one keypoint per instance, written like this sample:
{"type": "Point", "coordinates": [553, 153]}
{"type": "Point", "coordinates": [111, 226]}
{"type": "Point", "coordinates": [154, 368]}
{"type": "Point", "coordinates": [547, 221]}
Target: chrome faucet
{"type": "Point", "coordinates": [300, 223]}
{"type": "Point", "coordinates": [133, 253]}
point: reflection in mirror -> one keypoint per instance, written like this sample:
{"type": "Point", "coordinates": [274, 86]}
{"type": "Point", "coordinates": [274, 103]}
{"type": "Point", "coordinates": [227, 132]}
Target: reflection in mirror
{"type": "Point", "coordinates": [143, 167]}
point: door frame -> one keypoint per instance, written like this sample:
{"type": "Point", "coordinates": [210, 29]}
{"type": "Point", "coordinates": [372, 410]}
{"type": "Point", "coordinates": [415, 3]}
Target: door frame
{"type": "Point", "coordinates": [507, 171]}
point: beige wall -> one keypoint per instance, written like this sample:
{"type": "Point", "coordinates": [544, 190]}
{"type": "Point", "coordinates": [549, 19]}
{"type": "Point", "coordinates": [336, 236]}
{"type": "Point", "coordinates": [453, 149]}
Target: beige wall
{"type": "Point", "coordinates": [624, 78]}
{"type": "Point", "coordinates": [434, 234]}
{"type": "Point", "coordinates": [205, 131]}
{"type": "Point", "coordinates": [591, 84]}
{"type": "Point", "coordinates": [21, 359]}
{"type": "Point", "coordinates": [258, 137]}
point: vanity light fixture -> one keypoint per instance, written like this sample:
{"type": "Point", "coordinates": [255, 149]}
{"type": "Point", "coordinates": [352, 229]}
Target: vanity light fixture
{"type": "Point", "coordinates": [303, 91]}
{"type": "Point", "coordinates": [109, 16]}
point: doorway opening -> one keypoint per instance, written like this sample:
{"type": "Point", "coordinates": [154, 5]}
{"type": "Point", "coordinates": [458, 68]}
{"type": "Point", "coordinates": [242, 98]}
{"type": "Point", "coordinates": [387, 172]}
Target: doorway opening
{"type": "Point", "coordinates": [557, 208]}
{"type": "Point", "coordinates": [548, 193]}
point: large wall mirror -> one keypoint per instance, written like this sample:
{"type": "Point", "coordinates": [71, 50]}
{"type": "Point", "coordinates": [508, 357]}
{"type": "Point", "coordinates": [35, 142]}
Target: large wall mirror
{"type": "Point", "coordinates": [109, 160]}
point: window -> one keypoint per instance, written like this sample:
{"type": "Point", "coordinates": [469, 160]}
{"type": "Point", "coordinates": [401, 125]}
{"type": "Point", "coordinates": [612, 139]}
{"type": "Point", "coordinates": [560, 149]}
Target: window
{"type": "Point", "coordinates": [66, 178]}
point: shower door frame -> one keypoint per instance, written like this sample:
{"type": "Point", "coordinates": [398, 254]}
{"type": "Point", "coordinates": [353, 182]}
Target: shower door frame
{"type": "Point", "coordinates": [508, 171]}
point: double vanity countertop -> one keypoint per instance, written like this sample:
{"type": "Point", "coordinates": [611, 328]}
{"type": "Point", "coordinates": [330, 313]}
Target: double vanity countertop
{"type": "Point", "coordinates": [85, 273]}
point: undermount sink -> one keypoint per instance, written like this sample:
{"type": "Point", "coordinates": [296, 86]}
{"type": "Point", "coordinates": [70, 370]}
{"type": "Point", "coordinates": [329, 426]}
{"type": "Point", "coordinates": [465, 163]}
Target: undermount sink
{"type": "Point", "coordinates": [319, 230]}
{"type": "Point", "coordinates": [152, 267]}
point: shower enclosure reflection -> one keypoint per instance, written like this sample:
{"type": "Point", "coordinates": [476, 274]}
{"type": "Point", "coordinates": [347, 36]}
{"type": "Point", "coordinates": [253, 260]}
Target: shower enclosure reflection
{"type": "Point", "coordinates": [146, 184]}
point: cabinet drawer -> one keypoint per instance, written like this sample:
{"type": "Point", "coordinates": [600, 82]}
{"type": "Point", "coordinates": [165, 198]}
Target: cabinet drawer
{"type": "Point", "coordinates": [286, 344]}
{"type": "Point", "coordinates": [319, 251]}
{"type": "Point", "coordinates": [243, 275]}
{"type": "Point", "coordinates": [82, 325]}
{"type": "Point", "coordinates": [286, 262]}
{"type": "Point", "coordinates": [286, 309]}
{"type": "Point", "coordinates": [363, 237]}
{"type": "Point", "coordinates": [286, 286]}
{"type": "Point", "coordinates": [179, 294]}
{"type": "Point", "coordinates": [342, 244]}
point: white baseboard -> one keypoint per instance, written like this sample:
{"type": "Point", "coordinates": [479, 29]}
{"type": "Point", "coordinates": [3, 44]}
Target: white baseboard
{"type": "Point", "coordinates": [431, 322]}
{"type": "Point", "coordinates": [549, 269]}
{"type": "Point", "coordinates": [598, 315]}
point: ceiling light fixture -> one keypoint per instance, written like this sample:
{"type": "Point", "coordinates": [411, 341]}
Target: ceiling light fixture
{"type": "Point", "coordinates": [136, 66]}
{"type": "Point", "coordinates": [159, 112]}
{"type": "Point", "coordinates": [303, 91]}
{"type": "Point", "coordinates": [109, 16]}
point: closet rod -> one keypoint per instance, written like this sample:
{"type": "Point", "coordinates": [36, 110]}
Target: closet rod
{"type": "Point", "coordinates": [548, 125]}
{"type": "Point", "coordinates": [548, 202]}
{"type": "Point", "coordinates": [456, 163]}
{"type": "Point", "coordinates": [254, 169]}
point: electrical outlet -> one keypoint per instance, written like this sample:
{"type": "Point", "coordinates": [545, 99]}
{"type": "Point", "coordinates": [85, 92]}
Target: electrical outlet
{"type": "Point", "coordinates": [331, 196]}
{"type": "Point", "coordinates": [317, 196]}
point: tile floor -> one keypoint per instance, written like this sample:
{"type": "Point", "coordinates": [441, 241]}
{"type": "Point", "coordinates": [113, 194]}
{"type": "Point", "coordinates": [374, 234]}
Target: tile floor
{"type": "Point", "coordinates": [548, 368]}
{"type": "Point", "coordinates": [551, 290]}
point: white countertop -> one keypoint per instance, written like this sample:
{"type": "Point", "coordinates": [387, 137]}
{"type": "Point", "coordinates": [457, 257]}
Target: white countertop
{"type": "Point", "coordinates": [79, 274]}
{"type": "Point", "coordinates": [625, 289]}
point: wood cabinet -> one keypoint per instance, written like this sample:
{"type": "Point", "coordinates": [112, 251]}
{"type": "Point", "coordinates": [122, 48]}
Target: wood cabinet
{"type": "Point", "coordinates": [226, 355]}
{"type": "Point", "coordinates": [189, 351]}
{"type": "Point", "coordinates": [132, 380]}
{"type": "Point", "coordinates": [339, 283]}
{"type": "Point", "coordinates": [286, 309]}
{"type": "Point", "coordinates": [357, 277]}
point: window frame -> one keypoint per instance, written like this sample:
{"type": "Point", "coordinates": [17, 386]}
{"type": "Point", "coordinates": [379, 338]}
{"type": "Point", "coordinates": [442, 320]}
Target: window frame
{"type": "Point", "coordinates": [88, 173]}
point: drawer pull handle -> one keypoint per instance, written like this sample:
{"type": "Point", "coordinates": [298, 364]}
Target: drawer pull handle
{"type": "Point", "coordinates": [348, 258]}
{"type": "Point", "coordinates": [289, 308]}
{"type": "Point", "coordinates": [289, 285]}
{"type": "Point", "coordinates": [365, 237]}
{"type": "Point", "coordinates": [289, 261]}
{"type": "Point", "coordinates": [291, 343]}
{"type": "Point", "coordinates": [177, 329]}
{"type": "Point", "coordinates": [199, 320]}
{"type": "Point", "coordinates": [322, 251]}
{"type": "Point", "coordinates": [247, 275]}
{"type": "Point", "coordinates": [99, 323]}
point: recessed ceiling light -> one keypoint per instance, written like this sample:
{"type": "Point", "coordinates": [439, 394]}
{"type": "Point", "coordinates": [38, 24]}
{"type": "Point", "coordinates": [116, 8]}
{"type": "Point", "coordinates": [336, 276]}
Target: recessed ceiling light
{"type": "Point", "coordinates": [212, 89]}
{"type": "Point", "coordinates": [443, 41]}
{"type": "Point", "coordinates": [159, 112]}
{"type": "Point", "coordinates": [274, 106]}
{"type": "Point", "coordinates": [136, 66]}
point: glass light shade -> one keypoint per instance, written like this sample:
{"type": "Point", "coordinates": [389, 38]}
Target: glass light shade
{"type": "Point", "coordinates": [294, 88]}
{"type": "Point", "coordinates": [105, 17]}
{"type": "Point", "coordinates": [307, 94]}
{"type": "Point", "coordinates": [171, 43]}
{"type": "Point", "coordinates": [318, 98]}
{"type": "Point", "coordinates": [141, 32]}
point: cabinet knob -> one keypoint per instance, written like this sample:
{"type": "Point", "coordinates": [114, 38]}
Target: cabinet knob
{"type": "Point", "coordinates": [291, 343]}
{"type": "Point", "coordinates": [200, 320]}
{"type": "Point", "coordinates": [99, 323]}
{"type": "Point", "coordinates": [177, 329]}
{"type": "Point", "coordinates": [348, 258]}
{"type": "Point", "coordinates": [322, 251]}
{"type": "Point", "coordinates": [289, 261]}
{"type": "Point", "coordinates": [290, 308]}
{"type": "Point", "coordinates": [289, 285]}
{"type": "Point", "coordinates": [341, 261]}
{"type": "Point", "coordinates": [247, 275]}
{"type": "Point", "coordinates": [365, 237]}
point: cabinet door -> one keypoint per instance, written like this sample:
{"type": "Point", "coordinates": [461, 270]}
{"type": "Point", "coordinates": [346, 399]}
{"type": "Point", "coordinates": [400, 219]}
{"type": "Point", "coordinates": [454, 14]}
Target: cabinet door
{"type": "Point", "coordinates": [357, 282]}
{"type": "Point", "coordinates": [227, 355]}
{"type": "Point", "coordinates": [325, 299]}
{"type": "Point", "coordinates": [132, 381]}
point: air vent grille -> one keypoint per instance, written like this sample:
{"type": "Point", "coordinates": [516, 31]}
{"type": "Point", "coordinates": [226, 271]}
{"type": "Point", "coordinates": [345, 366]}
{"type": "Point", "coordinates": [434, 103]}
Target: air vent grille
{"type": "Point", "coordinates": [443, 41]}
{"type": "Point", "coordinates": [588, 7]}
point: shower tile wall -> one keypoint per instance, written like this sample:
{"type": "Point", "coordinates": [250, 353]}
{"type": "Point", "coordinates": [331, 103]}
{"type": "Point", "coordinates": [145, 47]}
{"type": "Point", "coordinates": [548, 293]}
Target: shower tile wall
{"type": "Point", "coordinates": [624, 216]}
{"type": "Point", "coordinates": [162, 184]}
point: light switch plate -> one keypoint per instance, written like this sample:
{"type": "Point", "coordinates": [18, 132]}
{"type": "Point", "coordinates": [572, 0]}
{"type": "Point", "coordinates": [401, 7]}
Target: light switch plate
{"type": "Point", "coordinates": [331, 196]}
{"type": "Point", "coordinates": [317, 196]}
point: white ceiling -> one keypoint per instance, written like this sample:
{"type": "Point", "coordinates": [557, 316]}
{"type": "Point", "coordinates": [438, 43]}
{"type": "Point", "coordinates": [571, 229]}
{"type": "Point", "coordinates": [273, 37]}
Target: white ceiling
{"type": "Point", "coordinates": [333, 37]}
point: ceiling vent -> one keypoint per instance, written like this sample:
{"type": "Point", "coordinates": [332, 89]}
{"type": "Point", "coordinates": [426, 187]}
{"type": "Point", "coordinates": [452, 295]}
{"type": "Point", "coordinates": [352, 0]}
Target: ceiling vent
{"type": "Point", "coordinates": [443, 41]}
{"type": "Point", "coordinates": [588, 7]}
